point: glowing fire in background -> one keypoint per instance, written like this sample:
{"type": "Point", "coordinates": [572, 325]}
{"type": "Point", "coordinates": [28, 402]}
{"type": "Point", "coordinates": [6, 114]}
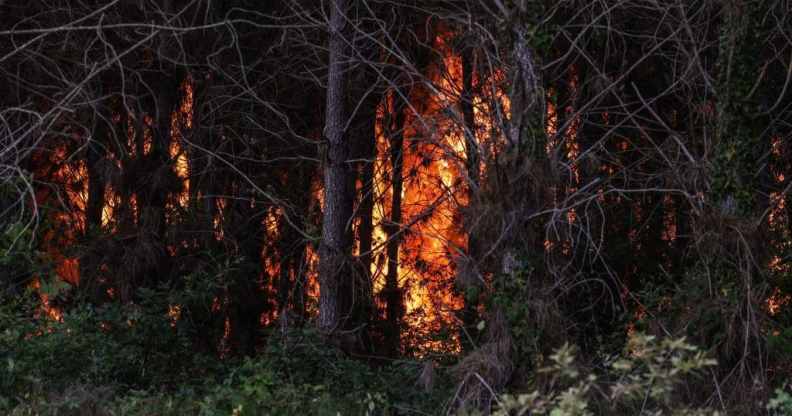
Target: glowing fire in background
{"type": "Point", "coordinates": [426, 242]}
{"type": "Point", "coordinates": [435, 190]}
{"type": "Point", "coordinates": [70, 222]}
{"type": "Point", "coordinates": [67, 219]}
{"type": "Point", "coordinates": [777, 219]}
{"type": "Point", "coordinates": [181, 122]}
{"type": "Point", "coordinates": [434, 195]}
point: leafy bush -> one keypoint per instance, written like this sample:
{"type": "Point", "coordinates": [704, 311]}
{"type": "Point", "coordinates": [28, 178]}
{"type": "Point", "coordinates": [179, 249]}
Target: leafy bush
{"type": "Point", "coordinates": [781, 403]}
{"type": "Point", "coordinates": [641, 381]}
{"type": "Point", "coordinates": [122, 346]}
{"type": "Point", "coordinates": [134, 360]}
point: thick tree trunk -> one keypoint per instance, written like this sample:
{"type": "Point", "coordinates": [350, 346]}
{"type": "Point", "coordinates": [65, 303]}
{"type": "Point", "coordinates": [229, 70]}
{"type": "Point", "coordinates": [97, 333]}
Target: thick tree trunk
{"type": "Point", "coordinates": [335, 248]}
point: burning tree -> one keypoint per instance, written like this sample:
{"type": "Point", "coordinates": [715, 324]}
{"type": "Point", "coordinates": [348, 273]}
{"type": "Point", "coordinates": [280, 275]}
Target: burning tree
{"type": "Point", "coordinates": [480, 181]}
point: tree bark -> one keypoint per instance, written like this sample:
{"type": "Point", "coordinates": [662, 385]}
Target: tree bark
{"type": "Point", "coordinates": [95, 153]}
{"type": "Point", "coordinates": [393, 293]}
{"type": "Point", "coordinates": [157, 172]}
{"type": "Point", "coordinates": [366, 208]}
{"type": "Point", "coordinates": [335, 247]}
{"type": "Point", "coordinates": [472, 290]}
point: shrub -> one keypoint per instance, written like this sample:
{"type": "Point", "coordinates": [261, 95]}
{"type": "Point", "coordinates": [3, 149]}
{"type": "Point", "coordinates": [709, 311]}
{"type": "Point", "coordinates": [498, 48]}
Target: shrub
{"type": "Point", "coordinates": [641, 381]}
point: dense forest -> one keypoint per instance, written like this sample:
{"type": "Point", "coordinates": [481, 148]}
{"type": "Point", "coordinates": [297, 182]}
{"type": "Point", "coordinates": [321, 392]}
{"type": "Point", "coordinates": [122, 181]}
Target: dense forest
{"type": "Point", "coordinates": [395, 207]}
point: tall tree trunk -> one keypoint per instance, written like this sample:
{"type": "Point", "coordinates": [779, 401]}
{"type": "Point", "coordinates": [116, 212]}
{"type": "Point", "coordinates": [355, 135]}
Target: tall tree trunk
{"type": "Point", "coordinates": [364, 137]}
{"type": "Point", "coordinates": [158, 171]}
{"type": "Point", "coordinates": [472, 284]}
{"type": "Point", "coordinates": [335, 248]}
{"type": "Point", "coordinates": [202, 179]}
{"type": "Point", "coordinates": [292, 244]}
{"type": "Point", "coordinates": [366, 208]}
{"type": "Point", "coordinates": [393, 294]}
{"type": "Point", "coordinates": [95, 153]}
{"type": "Point", "coordinates": [248, 300]}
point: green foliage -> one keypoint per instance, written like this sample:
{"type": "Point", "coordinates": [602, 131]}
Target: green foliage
{"type": "Point", "coordinates": [124, 346]}
{"type": "Point", "coordinates": [133, 360]}
{"type": "Point", "coordinates": [742, 123]}
{"type": "Point", "coordinates": [12, 247]}
{"type": "Point", "coordinates": [781, 403]}
{"type": "Point", "coordinates": [513, 294]}
{"type": "Point", "coordinates": [701, 307]}
{"type": "Point", "coordinates": [267, 385]}
{"type": "Point", "coordinates": [18, 261]}
{"type": "Point", "coordinates": [254, 386]}
{"type": "Point", "coordinates": [779, 343]}
{"type": "Point", "coordinates": [641, 381]}
{"type": "Point", "coordinates": [137, 358]}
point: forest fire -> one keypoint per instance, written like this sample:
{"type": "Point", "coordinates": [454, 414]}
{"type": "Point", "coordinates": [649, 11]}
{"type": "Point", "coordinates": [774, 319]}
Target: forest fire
{"type": "Point", "coordinates": [372, 207]}
{"type": "Point", "coordinates": [434, 193]}
{"type": "Point", "coordinates": [431, 198]}
{"type": "Point", "coordinates": [181, 123]}
{"type": "Point", "coordinates": [434, 183]}
{"type": "Point", "coordinates": [46, 309]}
